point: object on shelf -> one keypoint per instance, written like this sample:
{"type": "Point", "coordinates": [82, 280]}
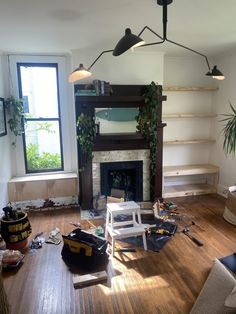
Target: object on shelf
{"type": "Point", "coordinates": [86, 92]}
{"type": "Point", "coordinates": [97, 126]}
{"type": "Point", "coordinates": [102, 88]}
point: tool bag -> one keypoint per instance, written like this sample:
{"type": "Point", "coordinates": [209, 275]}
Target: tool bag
{"type": "Point", "coordinates": [83, 248]}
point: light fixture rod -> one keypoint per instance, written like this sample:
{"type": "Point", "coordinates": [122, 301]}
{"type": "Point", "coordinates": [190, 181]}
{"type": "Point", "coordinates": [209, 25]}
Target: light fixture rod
{"type": "Point", "coordinates": [151, 30]}
{"type": "Point", "coordinates": [164, 19]}
{"type": "Point", "coordinates": [105, 51]}
{"type": "Point", "coordinates": [190, 49]}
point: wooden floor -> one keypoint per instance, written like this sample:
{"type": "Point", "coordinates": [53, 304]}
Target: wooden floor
{"type": "Point", "coordinates": [140, 282]}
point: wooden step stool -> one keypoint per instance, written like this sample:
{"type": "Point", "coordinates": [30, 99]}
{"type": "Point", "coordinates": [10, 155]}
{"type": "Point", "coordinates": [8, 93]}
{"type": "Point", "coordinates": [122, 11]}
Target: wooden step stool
{"type": "Point", "coordinates": [124, 229]}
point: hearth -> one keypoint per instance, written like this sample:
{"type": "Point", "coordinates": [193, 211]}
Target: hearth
{"type": "Point", "coordinates": [124, 175]}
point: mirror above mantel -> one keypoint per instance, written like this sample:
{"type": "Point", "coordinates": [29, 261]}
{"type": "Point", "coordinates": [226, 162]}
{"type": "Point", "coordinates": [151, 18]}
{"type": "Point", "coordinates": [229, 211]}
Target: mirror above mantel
{"type": "Point", "coordinates": [116, 120]}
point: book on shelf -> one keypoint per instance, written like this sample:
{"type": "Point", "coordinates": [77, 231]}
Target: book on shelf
{"type": "Point", "coordinates": [102, 87]}
{"type": "Point", "coordinates": [86, 92]}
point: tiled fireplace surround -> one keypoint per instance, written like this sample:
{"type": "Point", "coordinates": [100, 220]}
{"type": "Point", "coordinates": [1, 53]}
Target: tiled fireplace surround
{"type": "Point", "coordinates": [121, 155]}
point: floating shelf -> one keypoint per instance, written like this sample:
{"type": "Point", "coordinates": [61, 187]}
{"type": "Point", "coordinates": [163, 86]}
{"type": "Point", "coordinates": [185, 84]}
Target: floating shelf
{"type": "Point", "coordinates": [184, 170]}
{"type": "Point", "coordinates": [189, 89]}
{"type": "Point", "coordinates": [182, 142]}
{"type": "Point", "coordinates": [189, 115]}
{"type": "Point", "coordinates": [188, 189]}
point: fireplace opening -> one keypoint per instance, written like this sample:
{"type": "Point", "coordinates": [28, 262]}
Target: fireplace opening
{"type": "Point", "coordinates": [126, 176]}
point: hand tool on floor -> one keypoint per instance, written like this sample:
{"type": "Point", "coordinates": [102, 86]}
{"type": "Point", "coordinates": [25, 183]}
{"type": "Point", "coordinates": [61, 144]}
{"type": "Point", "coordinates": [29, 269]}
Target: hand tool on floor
{"type": "Point", "coordinates": [195, 240]}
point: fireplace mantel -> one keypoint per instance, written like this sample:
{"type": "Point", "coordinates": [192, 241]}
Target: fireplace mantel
{"type": "Point", "coordinates": [124, 96]}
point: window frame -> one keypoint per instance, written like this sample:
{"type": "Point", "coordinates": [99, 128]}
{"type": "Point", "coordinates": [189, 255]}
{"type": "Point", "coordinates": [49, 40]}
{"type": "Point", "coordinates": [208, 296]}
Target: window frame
{"type": "Point", "coordinates": [19, 82]}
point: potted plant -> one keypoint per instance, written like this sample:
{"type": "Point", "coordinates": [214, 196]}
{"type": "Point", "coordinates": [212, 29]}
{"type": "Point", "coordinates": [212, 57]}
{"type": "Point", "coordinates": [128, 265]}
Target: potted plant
{"type": "Point", "coordinates": [229, 146]}
{"type": "Point", "coordinates": [15, 111]}
{"type": "Point", "coordinates": [229, 131]}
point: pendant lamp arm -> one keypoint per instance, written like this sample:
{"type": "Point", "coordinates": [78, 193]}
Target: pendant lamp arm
{"type": "Point", "coordinates": [190, 49]}
{"type": "Point", "coordinates": [105, 51]}
{"type": "Point", "coordinates": [152, 31]}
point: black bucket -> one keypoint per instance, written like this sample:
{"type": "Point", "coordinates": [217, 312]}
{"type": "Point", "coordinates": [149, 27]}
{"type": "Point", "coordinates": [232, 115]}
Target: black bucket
{"type": "Point", "coordinates": [15, 232]}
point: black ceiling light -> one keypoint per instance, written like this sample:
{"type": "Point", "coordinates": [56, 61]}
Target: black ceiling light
{"type": "Point", "coordinates": [130, 41]}
{"type": "Point", "coordinates": [81, 72]}
{"type": "Point", "coordinates": [216, 74]}
{"type": "Point", "coordinates": [127, 42]}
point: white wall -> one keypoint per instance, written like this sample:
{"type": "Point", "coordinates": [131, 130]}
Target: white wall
{"type": "Point", "coordinates": [226, 94]}
{"type": "Point", "coordinates": [5, 151]}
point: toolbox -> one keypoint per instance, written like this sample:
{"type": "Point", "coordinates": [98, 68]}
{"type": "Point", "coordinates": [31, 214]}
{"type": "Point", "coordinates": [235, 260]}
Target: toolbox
{"type": "Point", "coordinates": [81, 247]}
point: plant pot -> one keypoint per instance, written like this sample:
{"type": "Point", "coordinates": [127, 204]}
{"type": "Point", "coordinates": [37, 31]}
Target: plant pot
{"type": "Point", "coordinates": [16, 232]}
{"type": "Point", "coordinates": [230, 206]}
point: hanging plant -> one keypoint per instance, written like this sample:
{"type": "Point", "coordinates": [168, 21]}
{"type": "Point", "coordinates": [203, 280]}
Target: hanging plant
{"type": "Point", "coordinates": [15, 111]}
{"type": "Point", "coordinates": [229, 130]}
{"type": "Point", "coordinates": [148, 119]}
{"type": "Point", "coordinates": [86, 137]}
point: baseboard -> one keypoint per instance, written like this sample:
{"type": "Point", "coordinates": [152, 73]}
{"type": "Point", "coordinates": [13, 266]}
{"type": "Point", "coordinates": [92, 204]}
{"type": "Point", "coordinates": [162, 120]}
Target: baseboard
{"type": "Point", "coordinates": [42, 204]}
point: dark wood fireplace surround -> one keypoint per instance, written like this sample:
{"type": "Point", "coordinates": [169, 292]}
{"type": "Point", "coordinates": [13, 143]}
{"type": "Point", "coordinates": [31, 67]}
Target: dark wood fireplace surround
{"type": "Point", "coordinates": [124, 96]}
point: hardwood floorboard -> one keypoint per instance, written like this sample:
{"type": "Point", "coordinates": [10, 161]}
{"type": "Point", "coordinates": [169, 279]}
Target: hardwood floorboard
{"type": "Point", "coordinates": [138, 282]}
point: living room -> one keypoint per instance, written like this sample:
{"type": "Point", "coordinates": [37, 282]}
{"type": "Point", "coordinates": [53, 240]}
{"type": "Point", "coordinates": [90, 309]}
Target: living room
{"type": "Point", "coordinates": [69, 36]}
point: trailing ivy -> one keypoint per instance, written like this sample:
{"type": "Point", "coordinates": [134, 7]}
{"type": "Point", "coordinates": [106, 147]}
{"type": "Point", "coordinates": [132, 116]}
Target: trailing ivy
{"type": "Point", "coordinates": [15, 111]}
{"type": "Point", "coordinates": [86, 137]}
{"type": "Point", "coordinates": [148, 120]}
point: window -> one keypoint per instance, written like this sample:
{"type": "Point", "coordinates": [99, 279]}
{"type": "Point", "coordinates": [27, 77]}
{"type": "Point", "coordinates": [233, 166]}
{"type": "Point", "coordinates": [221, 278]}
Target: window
{"type": "Point", "coordinates": [42, 143]}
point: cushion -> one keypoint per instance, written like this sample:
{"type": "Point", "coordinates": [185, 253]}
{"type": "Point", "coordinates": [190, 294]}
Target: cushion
{"type": "Point", "coordinates": [231, 299]}
{"type": "Point", "coordinates": [218, 286]}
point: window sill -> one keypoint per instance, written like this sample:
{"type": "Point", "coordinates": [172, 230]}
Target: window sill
{"type": "Point", "coordinates": [44, 177]}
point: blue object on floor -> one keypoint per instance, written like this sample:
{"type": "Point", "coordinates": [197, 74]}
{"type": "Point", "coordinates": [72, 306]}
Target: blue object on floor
{"type": "Point", "coordinates": [229, 262]}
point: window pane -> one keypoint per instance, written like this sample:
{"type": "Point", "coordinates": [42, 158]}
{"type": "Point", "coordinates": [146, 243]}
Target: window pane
{"type": "Point", "coordinates": [43, 149]}
{"type": "Point", "coordinates": [39, 89]}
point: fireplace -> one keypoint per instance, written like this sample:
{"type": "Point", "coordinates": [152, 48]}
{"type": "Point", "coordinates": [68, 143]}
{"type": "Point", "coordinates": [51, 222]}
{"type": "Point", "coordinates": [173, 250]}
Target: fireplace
{"type": "Point", "coordinates": [124, 175]}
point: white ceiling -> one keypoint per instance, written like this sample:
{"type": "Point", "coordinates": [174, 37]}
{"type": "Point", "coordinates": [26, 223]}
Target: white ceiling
{"type": "Point", "coordinates": [61, 26]}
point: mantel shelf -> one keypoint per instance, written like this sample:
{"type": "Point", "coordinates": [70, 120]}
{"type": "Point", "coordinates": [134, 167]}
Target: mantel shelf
{"type": "Point", "coordinates": [114, 101]}
{"type": "Point", "coordinates": [189, 115]}
{"type": "Point", "coordinates": [189, 89]}
{"type": "Point", "coordinates": [196, 141]}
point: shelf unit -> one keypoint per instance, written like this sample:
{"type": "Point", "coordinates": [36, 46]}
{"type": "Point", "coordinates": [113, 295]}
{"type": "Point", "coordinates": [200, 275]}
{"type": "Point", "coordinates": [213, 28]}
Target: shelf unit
{"type": "Point", "coordinates": [190, 189]}
{"type": "Point", "coordinates": [188, 115]}
{"type": "Point", "coordinates": [205, 173]}
{"type": "Point", "coordinates": [183, 142]}
{"type": "Point", "coordinates": [189, 89]}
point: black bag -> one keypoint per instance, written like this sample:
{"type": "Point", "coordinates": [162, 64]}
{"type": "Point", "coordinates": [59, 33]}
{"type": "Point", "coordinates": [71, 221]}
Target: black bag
{"type": "Point", "coordinates": [83, 248]}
